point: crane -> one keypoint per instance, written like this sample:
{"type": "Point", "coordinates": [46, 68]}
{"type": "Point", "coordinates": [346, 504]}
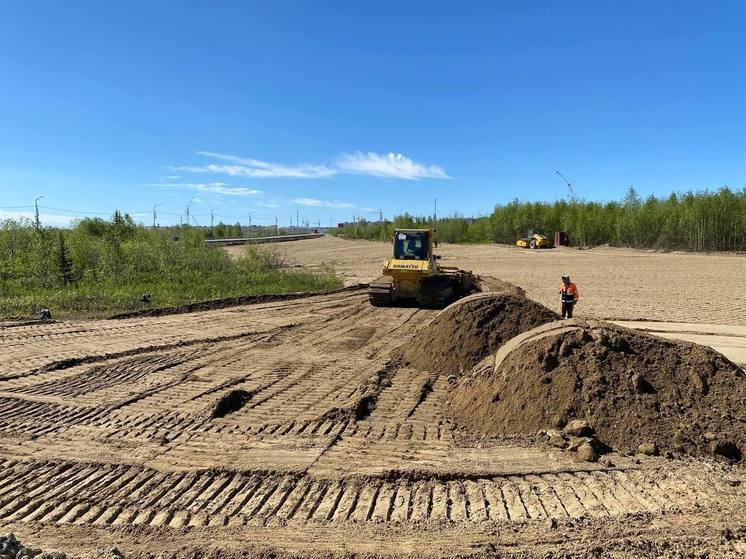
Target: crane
{"type": "Point", "coordinates": [570, 190]}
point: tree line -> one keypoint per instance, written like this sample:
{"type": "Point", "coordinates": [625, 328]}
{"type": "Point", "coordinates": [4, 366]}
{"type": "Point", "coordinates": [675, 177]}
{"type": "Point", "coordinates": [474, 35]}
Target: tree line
{"type": "Point", "coordinates": [691, 221]}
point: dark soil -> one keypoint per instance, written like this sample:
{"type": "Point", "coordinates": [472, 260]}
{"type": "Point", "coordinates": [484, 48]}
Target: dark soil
{"type": "Point", "coordinates": [460, 336]}
{"type": "Point", "coordinates": [230, 402]}
{"type": "Point", "coordinates": [631, 387]}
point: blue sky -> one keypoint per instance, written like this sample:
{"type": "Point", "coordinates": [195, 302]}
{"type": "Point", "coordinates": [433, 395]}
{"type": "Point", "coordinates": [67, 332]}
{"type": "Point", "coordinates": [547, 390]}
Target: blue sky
{"type": "Point", "coordinates": [335, 109]}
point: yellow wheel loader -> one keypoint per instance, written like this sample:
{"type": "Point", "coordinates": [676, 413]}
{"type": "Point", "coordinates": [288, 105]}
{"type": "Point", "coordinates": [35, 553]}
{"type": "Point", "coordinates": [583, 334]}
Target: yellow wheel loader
{"type": "Point", "coordinates": [534, 239]}
{"type": "Point", "coordinates": [413, 275]}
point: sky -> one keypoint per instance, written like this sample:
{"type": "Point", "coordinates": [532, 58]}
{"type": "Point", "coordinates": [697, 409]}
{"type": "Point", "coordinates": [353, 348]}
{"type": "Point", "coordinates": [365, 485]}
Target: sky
{"type": "Point", "coordinates": [335, 109]}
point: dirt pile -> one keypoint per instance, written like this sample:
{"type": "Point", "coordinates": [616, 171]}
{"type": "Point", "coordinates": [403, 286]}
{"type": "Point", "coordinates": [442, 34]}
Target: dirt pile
{"type": "Point", "coordinates": [632, 389]}
{"type": "Point", "coordinates": [491, 284]}
{"type": "Point", "coordinates": [472, 328]}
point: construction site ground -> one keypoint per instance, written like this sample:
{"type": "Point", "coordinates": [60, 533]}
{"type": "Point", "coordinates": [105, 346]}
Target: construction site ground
{"type": "Point", "coordinates": [284, 428]}
{"type": "Point", "coordinates": [693, 297]}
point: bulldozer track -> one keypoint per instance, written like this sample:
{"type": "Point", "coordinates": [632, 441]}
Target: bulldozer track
{"type": "Point", "coordinates": [75, 493]}
{"type": "Point", "coordinates": [317, 428]}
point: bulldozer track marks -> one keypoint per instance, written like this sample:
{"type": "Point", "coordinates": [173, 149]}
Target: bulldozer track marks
{"type": "Point", "coordinates": [109, 424]}
{"type": "Point", "coordinates": [73, 493]}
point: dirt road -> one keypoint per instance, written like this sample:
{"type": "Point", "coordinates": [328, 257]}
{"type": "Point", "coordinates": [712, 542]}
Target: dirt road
{"type": "Point", "coordinates": [285, 428]}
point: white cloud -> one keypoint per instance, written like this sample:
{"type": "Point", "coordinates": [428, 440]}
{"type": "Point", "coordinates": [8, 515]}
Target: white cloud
{"type": "Point", "coordinates": [255, 168]}
{"type": "Point", "coordinates": [212, 187]}
{"type": "Point", "coordinates": [316, 203]}
{"type": "Point", "coordinates": [269, 204]}
{"type": "Point", "coordinates": [392, 165]}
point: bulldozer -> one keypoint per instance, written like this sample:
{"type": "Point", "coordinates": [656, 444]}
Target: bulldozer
{"type": "Point", "coordinates": [413, 275]}
{"type": "Point", "coordinates": [534, 239]}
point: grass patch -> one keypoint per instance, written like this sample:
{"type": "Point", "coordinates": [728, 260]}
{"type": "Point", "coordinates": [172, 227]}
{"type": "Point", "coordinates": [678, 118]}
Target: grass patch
{"type": "Point", "coordinates": [99, 268]}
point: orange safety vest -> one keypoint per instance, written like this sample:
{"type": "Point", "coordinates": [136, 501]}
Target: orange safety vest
{"type": "Point", "coordinates": [569, 293]}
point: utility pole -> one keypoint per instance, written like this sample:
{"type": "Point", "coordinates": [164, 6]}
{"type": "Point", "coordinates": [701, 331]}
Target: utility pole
{"type": "Point", "coordinates": [212, 218]}
{"type": "Point", "coordinates": [249, 221]}
{"type": "Point", "coordinates": [37, 223]}
{"type": "Point", "coordinates": [277, 227]}
{"type": "Point", "coordinates": [297, 218]}
{"type": "Point", "coordinates": [189, 205]}
{"type": "Point", "coordinates": [380, 216]}
{"type": "Point", "coordinates": [154, 214]}
{"type": "Point", "coordinates": [435, 222]}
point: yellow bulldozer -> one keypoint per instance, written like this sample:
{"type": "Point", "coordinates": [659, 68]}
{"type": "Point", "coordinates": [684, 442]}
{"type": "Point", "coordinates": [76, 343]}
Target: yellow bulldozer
{"type": "Point", "coordinates": [413, 275]}
{"type": "Point", "coordinates": [534, 239]}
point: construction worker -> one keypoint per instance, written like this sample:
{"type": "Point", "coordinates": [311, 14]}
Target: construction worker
{"type": "Point", "coordinates": [568, 296]}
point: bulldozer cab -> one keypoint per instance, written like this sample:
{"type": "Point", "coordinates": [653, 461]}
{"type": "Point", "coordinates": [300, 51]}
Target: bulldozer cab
{"type": "Point", "coordinates": [412, 244]}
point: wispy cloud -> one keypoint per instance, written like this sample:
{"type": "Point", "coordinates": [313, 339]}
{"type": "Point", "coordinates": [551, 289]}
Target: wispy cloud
{"type": "Point", "coordinates": [391, 165]}
{"type": "Point", "coordinates": [316, 203]}
{"type": "Point", "coordinates": [212, 187]}
{"type": "Point", "coordinates": [255, 168]}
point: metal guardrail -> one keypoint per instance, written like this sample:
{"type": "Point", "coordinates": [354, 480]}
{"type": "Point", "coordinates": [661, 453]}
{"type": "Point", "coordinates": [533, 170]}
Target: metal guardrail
{"type": "Point", "coordinates": [261, 240]}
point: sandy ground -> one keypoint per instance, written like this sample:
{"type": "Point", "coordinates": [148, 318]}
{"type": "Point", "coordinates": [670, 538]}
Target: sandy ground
{"type": "Point", "coordinates": [614, 283]}
{"type": "Point", "coordinates": [661, 290]}
{"type": "Point", "coordinates": [283, 429]}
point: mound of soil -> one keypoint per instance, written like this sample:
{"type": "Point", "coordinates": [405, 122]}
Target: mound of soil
{"type": "Point", "coordinates": [472, 328]}
{"type": "Point", "coordinates": [491, 284]}
{"type": "Point", "coordinates": [632, 388]}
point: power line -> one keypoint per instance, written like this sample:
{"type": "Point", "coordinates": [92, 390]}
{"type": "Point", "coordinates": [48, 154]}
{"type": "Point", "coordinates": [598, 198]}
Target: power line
{"type": "Point", "coordinates": [90, 213]}
{"type": "Point", "coordinates": [154, 212]}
